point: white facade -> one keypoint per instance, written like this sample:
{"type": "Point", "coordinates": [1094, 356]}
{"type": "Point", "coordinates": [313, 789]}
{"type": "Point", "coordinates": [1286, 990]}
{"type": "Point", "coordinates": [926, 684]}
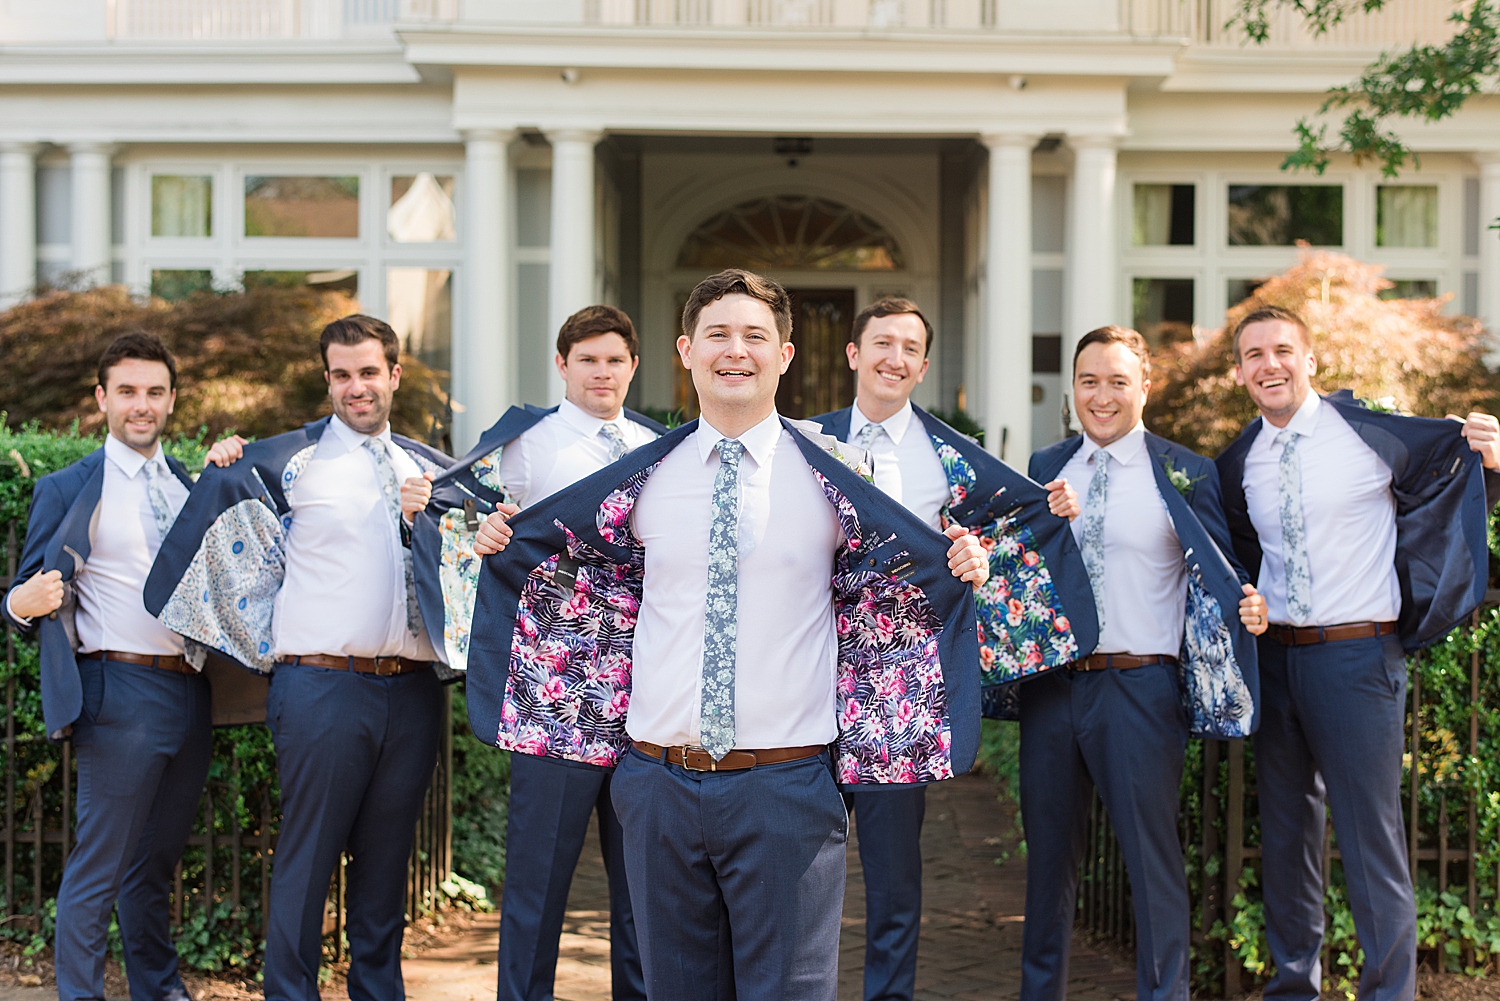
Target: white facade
{"type": "Point", "coordinates": [1022, 170]}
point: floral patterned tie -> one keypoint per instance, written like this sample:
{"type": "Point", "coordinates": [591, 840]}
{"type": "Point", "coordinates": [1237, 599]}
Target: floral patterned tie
{"type": "Point", "coordinates": [716, 715]}
{"type": "Point", "coordinates": [866, 435]}
{"type": "Point", "coordinates": [1093, 530]}
{"type": "Point", "coordinates": [160, 508]}
{"type": "Point", "coordinates": [386, 473]}
{"type": "Point", "coordinates": [1293, 533]}
{"type": "Point", "coordinates": [611, 434]}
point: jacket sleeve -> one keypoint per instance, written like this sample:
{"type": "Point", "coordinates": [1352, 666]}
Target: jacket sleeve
{"type": "Point", "coordinates": [47, 513]}
{"type": "Point", "coordinates": [1206, 500]}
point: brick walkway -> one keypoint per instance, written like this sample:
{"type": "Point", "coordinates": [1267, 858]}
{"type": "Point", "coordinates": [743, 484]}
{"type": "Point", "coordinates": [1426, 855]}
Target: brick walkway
{"type": "Point", "coordinates": [971, 926]}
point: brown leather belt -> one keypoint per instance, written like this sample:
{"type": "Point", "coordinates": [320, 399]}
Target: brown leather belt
{"type": "Point", "coordinates": [1307, 635]}
{"type": "Point", "coordinates": [176, 663]}
{"type": "Point", "coordinates": [384, 667]}
{"type": "Point", "coordinates": [1118, 661]}
{"type": "Point", "coordinates": [696, 759]}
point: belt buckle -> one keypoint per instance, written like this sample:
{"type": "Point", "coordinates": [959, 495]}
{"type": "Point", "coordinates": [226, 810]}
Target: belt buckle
{"type": "Point", "coordinates": [687, 749]}
{"type": "Point", "coordinates": [381, 671]}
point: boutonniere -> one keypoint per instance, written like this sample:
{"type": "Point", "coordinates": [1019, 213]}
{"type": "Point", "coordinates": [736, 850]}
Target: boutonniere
{"type": "Point", "coordinates": [1179, 478]}
{"type": "Point", "coordinates": [1382, 405]}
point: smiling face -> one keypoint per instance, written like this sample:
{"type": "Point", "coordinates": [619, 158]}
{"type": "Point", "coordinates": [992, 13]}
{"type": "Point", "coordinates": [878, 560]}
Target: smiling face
{"type": "Point", "coordinates": [597, 373]}
{"type": "Point", "coordinates": [890, 358]}
{"type": "Point", "coordinates": [1276, 366]}
{"type": "Point", "coordinates": [1110, 387]}
{"type": "Point", "coordinates": [136, 401]}
{"type": "Point", "coordinates": [361, 385]}
{"type": "Point", "coordinates": [737, 359]}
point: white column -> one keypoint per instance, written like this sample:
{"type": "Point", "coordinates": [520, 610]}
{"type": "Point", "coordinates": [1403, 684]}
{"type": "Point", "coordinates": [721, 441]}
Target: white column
{"type": "Point", "coordinates": [17, 222]}
{"type": "Point", "coordinates": [92, 246]}
{"type": "Point", "coordinates": [1007, 282]}
{"type": "Point", "coordinates": [1092, 258]}
{"type": "Point", "coordinates": [1489, 242]}
{"type": "Point", "coordinates": [484, 350]}
{"type": "Point", "coordinates": [571, 282]}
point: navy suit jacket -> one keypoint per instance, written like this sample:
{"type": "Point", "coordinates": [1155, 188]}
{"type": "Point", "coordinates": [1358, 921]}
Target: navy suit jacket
{"type": "Point", "coordinates": [1036, 612]}
{"type": "Point", "coordinates": [1218, 668]}
{"type": "Point", "coordinates": [550, 661]}
{"type": "Point", "coordinates": [221, 566]}
{"type": "Point", "coordinates": [1442, 514]}
{"type": "Point", "coordinates": [442, 536]}
{"type": "Point", "coordinates": [57, 538]}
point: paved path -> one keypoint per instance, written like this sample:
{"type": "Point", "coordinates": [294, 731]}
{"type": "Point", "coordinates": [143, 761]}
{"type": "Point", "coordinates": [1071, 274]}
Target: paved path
{"type": "Point", "coordinates": [971, 925]}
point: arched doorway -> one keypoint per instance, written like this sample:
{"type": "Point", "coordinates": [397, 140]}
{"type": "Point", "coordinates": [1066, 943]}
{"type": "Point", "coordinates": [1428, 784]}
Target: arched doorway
{"type": "Point", "coordinates": [809, 243]}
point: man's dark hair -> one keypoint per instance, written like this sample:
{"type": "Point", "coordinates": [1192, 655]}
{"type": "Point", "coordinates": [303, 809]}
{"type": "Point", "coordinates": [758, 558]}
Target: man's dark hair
{"type": "Point", "coordinates": [737, 281]}
{"type": "Point", "coordinates": [1117, 335]}
{"type": "Point", "coordinates": [356, 329]}
{"type": "Point", "coordinates": [890, 305]}
{"type": "Point", "coordinates": [591, 321]}
{"type": "Point", "coordinates": [141, 345]}
{"type": "Point", "coordinates": [1266, 314]}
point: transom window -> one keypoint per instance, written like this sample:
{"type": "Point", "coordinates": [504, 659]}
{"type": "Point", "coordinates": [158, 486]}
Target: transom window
{"type": "Point", "coordinates": [792, 233]}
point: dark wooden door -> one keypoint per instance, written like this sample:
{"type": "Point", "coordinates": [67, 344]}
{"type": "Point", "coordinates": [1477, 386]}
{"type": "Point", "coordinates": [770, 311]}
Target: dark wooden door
{"type": "Point", "coordinates": [819, 379]}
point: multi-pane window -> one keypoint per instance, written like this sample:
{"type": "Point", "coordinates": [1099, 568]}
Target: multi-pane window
{"type": "Point", "coordinates": [1278, 215]}
{"type": "Point", "coordinates": [1163, 215]}
{"type": "Point", "coordinates": [1163, 309]}
{"type": "Point", "coordinates": [325, 207]}
{"type": "Point", "coordinates": [421, 208]}
{"type": "Point", "coordinates": [1406, 215]}
{"type": "Point", "coordinates": [182, 205]}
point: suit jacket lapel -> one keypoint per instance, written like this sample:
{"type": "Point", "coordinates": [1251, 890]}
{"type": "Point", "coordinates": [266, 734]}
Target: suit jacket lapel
{"type": "Point", "coordinates": [1059, 459]}
{"type": "Point", "coordinates": [73, 533]}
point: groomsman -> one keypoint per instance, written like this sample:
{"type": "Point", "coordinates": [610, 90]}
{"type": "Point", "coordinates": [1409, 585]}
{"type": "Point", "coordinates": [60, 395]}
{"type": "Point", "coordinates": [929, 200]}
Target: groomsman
{"type": "Point", "coordinates": [115, 679]}
{"type": "Point", "coordinates": [714, 610]}
{"type": "Point", "coordinates": [1174, 633]}
{"type": "Point", "coordinates": [528, 455]}
{"type": "Point", "coordinates": [935, 472]}
{"type": "Point", "coordinates": [1367, 531]}
{"type": "Point", "coordinates": [291, 560]}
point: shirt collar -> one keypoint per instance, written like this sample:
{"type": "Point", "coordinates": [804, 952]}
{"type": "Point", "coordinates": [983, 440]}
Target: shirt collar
{"type": "Point", "coordinates": [895, 425]}
{"type": "Point", "coordinates": [581, 420]}
{"type": "Point", "coordinates": [352, 438]}
{"type": "Point", "coordinates": [1122, 450]}
{"type": "Point", "coordinates": [760, 441]}
{"type": "Point", "coordinates": [1304, 422]}
{"type": "Point", "coordinates": [128, 459]}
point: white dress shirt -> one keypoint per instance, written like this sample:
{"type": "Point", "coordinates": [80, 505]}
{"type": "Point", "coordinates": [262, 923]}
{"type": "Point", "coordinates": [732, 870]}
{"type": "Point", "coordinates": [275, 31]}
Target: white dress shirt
{"type": "Point", "coordinates": [561, 449]}
{"type": "Point", "coordinates": [1145, 579]}
{"type": "Point", "coordinates": [111, 614]}
{"type": "Point", "coordinates": [906, 464]}
{"type": "Point", "coordinates": [1348, 519]}
{"type": "Point", "coordinates": [345, 587]}
{"type": "Point", "coordinates": [786, 650]}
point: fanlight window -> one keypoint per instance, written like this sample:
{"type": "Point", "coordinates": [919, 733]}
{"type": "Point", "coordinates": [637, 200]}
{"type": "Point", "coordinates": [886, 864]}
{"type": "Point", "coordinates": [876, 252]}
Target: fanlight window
{"type": "Point", "coordinates": [791, 233]}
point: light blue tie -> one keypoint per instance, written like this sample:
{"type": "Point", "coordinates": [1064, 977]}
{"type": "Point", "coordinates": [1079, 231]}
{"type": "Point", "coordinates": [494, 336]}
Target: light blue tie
{"type": "Point", "coordinates": [1092, 545]}
{"type": "Point", "coordinates": [720, 628]}
{"type": "Point", "coordinates": [386, 473]}
{"type": "Point", "coordinates": [867, 435]}
{"type": "Point", "coordinates": [617, 449]}
{"type": "Point", "coordinates": [160, 508]}
{"type": "Point", "coordinates": [1293, 532]}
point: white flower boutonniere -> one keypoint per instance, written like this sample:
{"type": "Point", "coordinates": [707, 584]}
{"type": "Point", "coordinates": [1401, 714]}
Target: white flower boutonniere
{"type": "Point", "coordinates": [1179, 478]}
{"type": "Point", "coordinates": [1383, 405]}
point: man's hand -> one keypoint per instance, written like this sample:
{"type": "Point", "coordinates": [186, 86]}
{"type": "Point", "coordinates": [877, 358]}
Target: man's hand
{"type": "Point", "coordinates": [966, 557]}
{"type": "Point", "coordinates": [494, 533]}
{"type": "Point", "coordinates": [41, 595]}
{"type": "Point", "coordinates": [415, 493]}
{"type": "Point", "coordinates": [1253, 610]}
{"type": "Point", "coordinates": [1062, 499]}
{"type": "Point", "coordinates": [225, 452]}
{"type": "Point", "coordinates": [1483, 432]}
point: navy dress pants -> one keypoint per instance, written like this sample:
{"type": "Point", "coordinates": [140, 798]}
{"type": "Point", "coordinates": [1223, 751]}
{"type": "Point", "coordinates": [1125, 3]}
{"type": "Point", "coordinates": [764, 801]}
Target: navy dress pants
{"type": "Point", "coordinates": [550, 805]}
{"type": "Point", "coordinates": [143, 745]}
{"type": "Point", "coordinates": [1122, 731]}
{"type": "Point", "coordinates": [1332, 716]}
{"type": "Point", "coordinates": [890, 852]}
{"type": "Point", "coordinates": [737, 878]}
{"type": "Point", "coordinates": [355, 753]}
